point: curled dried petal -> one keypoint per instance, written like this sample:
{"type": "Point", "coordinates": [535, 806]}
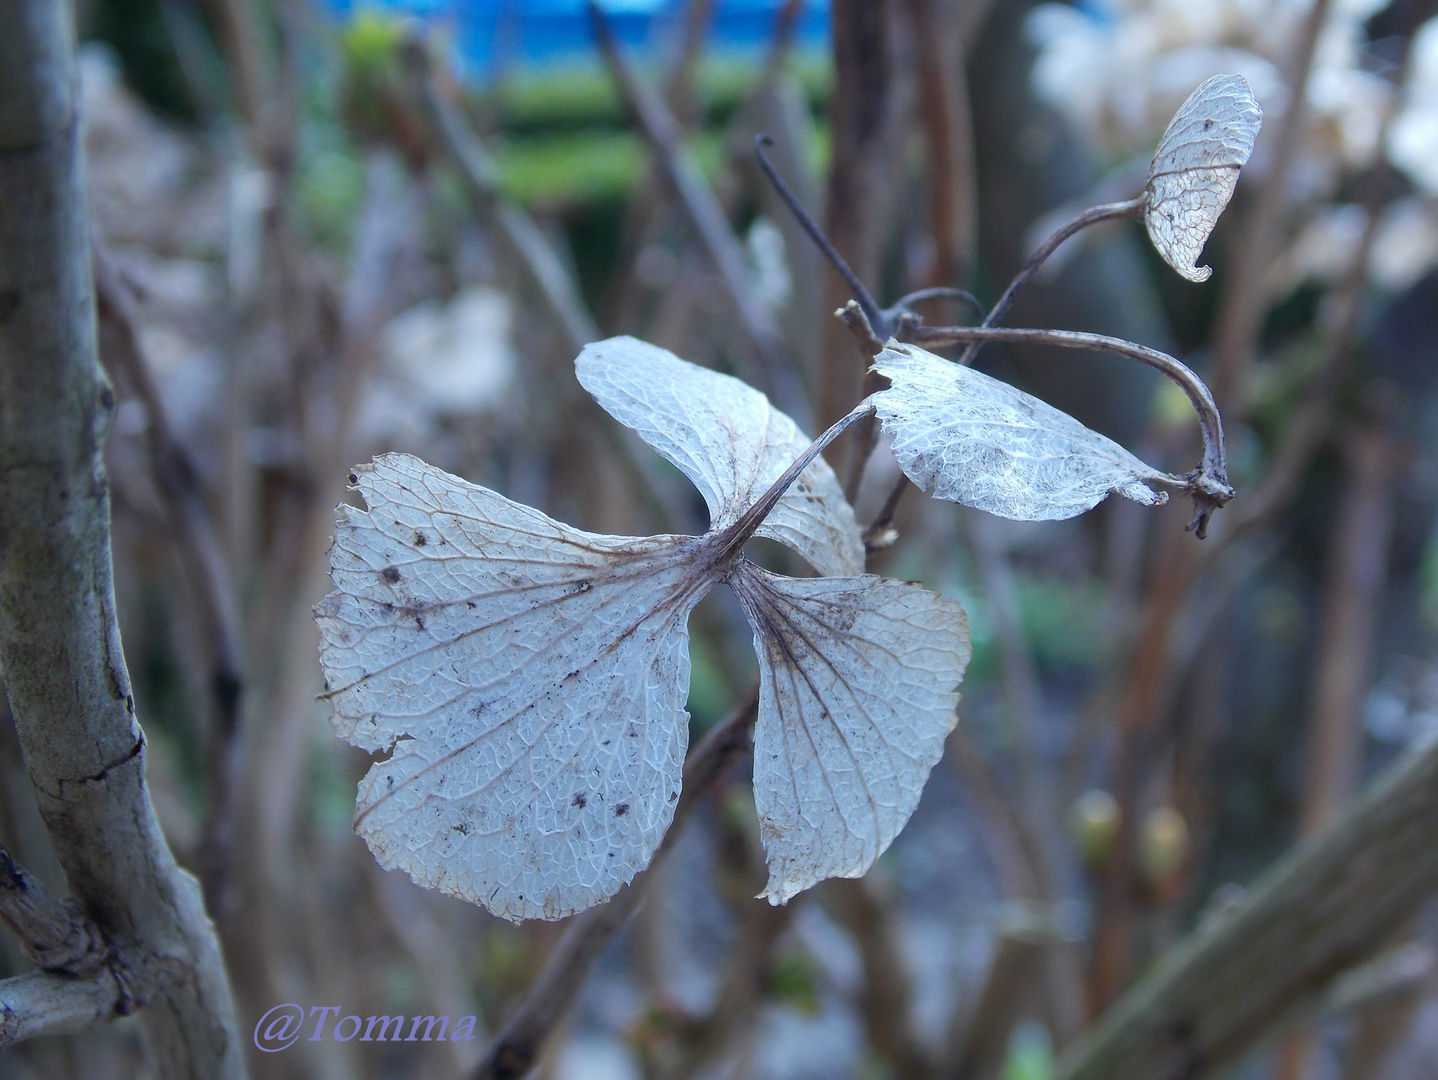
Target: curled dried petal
{"type": "Point", "coordinates": [1196, 167]}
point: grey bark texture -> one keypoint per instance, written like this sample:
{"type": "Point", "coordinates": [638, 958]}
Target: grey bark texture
{"type": "Point", "coordinates": [1326, 907]}
{"type": "Point", "coordinates": [60, 653]}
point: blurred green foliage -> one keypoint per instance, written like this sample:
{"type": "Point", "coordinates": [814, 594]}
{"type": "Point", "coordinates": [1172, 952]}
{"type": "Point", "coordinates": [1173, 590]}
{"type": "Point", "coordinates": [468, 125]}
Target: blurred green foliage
{"type": "Point", "coordinates": [1031, 1055]}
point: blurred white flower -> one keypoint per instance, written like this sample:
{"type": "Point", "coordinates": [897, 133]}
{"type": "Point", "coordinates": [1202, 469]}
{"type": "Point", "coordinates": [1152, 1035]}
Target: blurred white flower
{"type": "Point", "coordinates": [1413, 135]}
{"type": "Point", "coordinates": [1406, 245]}
{"type": "Point", "coordinates": [1119, 69]}
{"type": "Point", "coordinates": [439, 360]}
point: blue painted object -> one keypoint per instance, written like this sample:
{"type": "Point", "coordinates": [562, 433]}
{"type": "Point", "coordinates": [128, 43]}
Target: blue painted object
{"type": "Point", "coordinates": [496, 33]}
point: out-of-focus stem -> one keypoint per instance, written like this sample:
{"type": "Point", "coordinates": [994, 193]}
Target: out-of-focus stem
{"type": "Point", "coordinates": [517, 1046]}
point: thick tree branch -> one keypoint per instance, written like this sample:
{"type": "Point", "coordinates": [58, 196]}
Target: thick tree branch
{"type": "Point", "coordinates": [60, 651]}
{"type": "Point", "coordinates": [1323, 909]}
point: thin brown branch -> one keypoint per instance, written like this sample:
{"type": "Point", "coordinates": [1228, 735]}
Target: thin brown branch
{"type": "Point", "coordinates": [943, 32]}
{"type": "Point", "coordinates": [210, 588]}
{"type": "Point", "coordinates": [730, 1024]}
{"type": "Point", "coordinates": [1324, 908]}
{"type": "Point", "coordinates": [867, 911]}
{"type": "Point", "coordinates": [871, 110]}
{"type": "Point", "coordinates": [706, 216]}
{"type": "Point", "coordinates": [534, 257]}
{"type": "Point", "coordinates": [1240, 314]}
{"type": "Point", "coordinates": [1130, 208]}
{"type": "Point", "coordinates": [979, 1040]}
{"type": "Point", "coordinates": [519, 1043]}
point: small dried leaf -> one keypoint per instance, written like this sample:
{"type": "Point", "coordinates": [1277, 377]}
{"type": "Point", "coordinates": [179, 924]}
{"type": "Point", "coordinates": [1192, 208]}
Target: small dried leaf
{"type": "Point", "coordinates": [730, 441]}
{"type": "Point", "coordinates": [1195, 170]}
{"type": "Point", "coordinates": [858, 686]}
{"type": "Point", "coordinates": [529, 678]}
{"type": "Point", "coordinates": [978, 441]}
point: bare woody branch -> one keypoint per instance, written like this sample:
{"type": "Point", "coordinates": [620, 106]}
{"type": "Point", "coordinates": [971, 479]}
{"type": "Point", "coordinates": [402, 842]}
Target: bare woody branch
{"type": "Point", "coordinates": [44, 1004]}
{"type": "Point", "coordinates": [518, 1044]}
{"type": "Point", "coordinates": [54, 936]}
{"type": "Point", "coordinates": [60, 651]}
{"type": "Point", "coordinates": [78, 983]}
{"type": "Point", "coordinates": [1325, 908]}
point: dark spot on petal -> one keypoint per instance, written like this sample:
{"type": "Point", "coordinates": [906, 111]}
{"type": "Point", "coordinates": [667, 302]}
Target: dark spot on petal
{"type": "Point", "coordinates": [580, 799]}
{"type": "Point", "coordinates": [621, 809]}
{"type": "Point", "coordinates": [390, 574]}
{"type": "Point", "coordinates": [419, 622]}
{"type": "Point", "coordinates": [419, 539]}
{"type": "Point", "coordinates": [354, 479]}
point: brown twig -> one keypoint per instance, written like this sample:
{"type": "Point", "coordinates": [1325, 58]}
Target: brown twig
{"type": "Point", "coordinates": [705, 215]}
{"type": "Point", "coordinates": [871, 109]}
{"type": "Point", "coordinates": [1240, 315]}
{"type": "Point", "coordinates": [192, 532]}
{"type": "Point", "coordinates": [40, 1003]}
{"type": "Point", "coordinates": [979, 1039]}
{"type": "Point", "coordinates": [867, 911]}
{"type": "Point", "coordinates": [518, 1044]}
{"type": "Point", "coordinates": [1130, 208]}
{"type": "Point", "coordinates": [941, 30]}
{"type": "Point", "coordinates": [533, 255]}
{"type": "Point", "coordinates": [741, 989]}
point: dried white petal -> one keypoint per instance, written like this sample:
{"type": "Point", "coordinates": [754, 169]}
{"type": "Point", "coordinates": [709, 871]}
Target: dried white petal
{"type": "Point", "coordinates": [1195, 170]}
{"type": "Point", "coordinates": [730, 441]}
{"type": "Point", "coordinates": [529, 677]}
{"type": "Point", "coordinates": [858, 685]}
{"type": "Point", "coordinates": [978, 441]}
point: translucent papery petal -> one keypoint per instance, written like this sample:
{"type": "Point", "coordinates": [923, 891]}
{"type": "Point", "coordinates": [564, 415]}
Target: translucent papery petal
{"type": "Point", "coordinates": [530, 679]}
{"type": "Point", "coordinates": [972, 439]}
{"type": "Point", "coordinates": [1196, 168]}
{"type": "Point", "coordinates": [730, 441]}
{"type": "Point", "coordinates": [858, 686]}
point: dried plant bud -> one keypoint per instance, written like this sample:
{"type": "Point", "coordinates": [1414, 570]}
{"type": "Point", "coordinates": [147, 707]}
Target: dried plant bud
{"type": "Point", "coordinates": [1195, 170]}
{"type": "Point", "coordinates": [972, 439]}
